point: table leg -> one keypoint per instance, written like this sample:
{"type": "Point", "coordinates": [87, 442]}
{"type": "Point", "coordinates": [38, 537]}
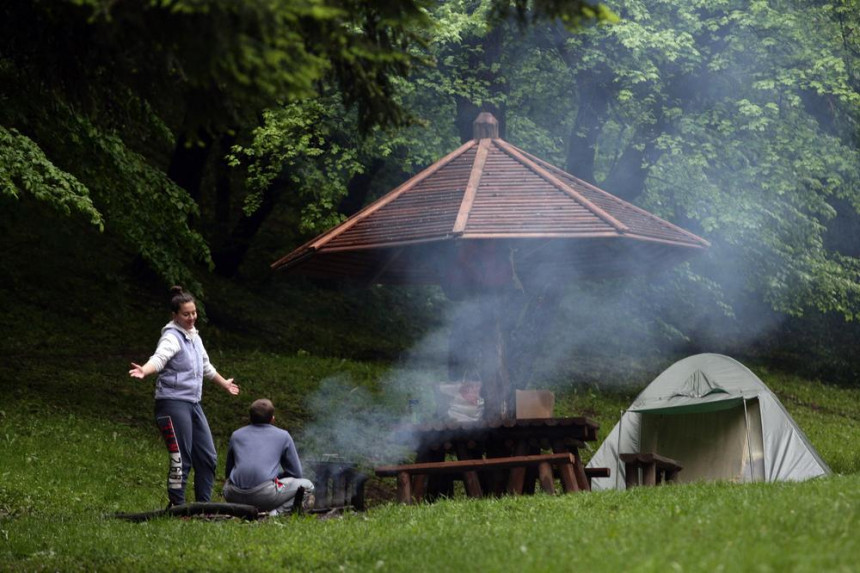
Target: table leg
{"type": "Point", "coordinates": [579, 471]}
{"type": "Point", "coordinates": [546, 479]}
{"type": "Point", "coordinates": [517, 476]}
{"type": "Point", "coordinates": [429, 487]}
{"type": "Point", "coordinates": [419, 486]}
{"type": "Point", "coordinates": [649, 474]}
{"type": "Point", "coordinates": [631, 475]}
{"type": "Point", "coordinates": [569, 482]}
{"type": "Point", "coordinates": [470, 478]}
{"type": "Point", "coordinates": [496, 480]}
{"type": "Point", "coordinates": [404, 488]}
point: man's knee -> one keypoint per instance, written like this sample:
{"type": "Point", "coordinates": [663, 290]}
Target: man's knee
{"type": "Point", "coordinates": [307, 484]}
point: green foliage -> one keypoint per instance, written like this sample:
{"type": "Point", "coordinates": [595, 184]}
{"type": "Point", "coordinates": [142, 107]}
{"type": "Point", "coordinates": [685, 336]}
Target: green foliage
{"type": "Point", "coordinates": [100, 97]}
{"type": "Point", "coordinates": [230, 60]}
{"type": "Point", "coordinates": [25, 169]}
{"type": "Point", "coordinates": [306, 146]}
{"type": "Point", "coordinates": [742, 149]}
{"type": "Point", "coordinates": [137, 88]}
{"type": "Point", "coordinates": [737, 122]}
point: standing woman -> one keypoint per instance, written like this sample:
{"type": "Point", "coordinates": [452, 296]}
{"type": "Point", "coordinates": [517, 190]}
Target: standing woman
{"type": "Point", "coordinates": [181, 363]}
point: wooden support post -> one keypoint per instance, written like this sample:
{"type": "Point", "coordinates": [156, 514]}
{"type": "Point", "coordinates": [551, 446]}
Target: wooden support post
{"type": "Point", "coordinates": [517, 476]}
{"type": "Point", "coordinates": [357, 499]}
{"type": "Point", "coordinates": [579, 470]}
{"type": "Point", "coordinates": [631, 475]}
{"type": "Point", "coordinates": [569, 482]}
{"type": "Point", "coordinates": [470, 477]}
{"type": "Point", "coordinates": [426, 487]}
{"type": "Point", "coordinates": [649, 474]}
{"type": "Point", "coordinates": [404, 488]}
{"type": "Point", "coordinates": [419, 486]}
{"type": "Point", "coordinates": [472, 484]}
{"type": "Point", "coordinates": [546, 479]}
{"type": "Point", "coordinates": [671, 474]}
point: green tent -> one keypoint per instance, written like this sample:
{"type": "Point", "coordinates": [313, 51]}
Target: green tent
{"type": "Point", "coordinates": [715, 417]}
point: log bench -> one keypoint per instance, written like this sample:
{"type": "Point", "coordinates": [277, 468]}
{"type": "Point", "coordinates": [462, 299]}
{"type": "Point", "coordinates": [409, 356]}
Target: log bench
{"type": "Point", "coordinates": [469, 470]}
{"type": "Point", "coordinates": [656, 469]}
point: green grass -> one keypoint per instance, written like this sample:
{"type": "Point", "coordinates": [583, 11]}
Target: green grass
{"type": "Point", "coordinates": [64, 475]}
{"type": "Point", "coordinates": [78, 447]}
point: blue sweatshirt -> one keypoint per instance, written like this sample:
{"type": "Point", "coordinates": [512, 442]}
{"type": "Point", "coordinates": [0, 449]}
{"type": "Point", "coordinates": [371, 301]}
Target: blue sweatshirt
{"type": "Point", "coordinates": [259, 453]}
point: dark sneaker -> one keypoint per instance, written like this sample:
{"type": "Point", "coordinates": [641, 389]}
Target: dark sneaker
{"type": "Point", "coordinates": [298, 501]}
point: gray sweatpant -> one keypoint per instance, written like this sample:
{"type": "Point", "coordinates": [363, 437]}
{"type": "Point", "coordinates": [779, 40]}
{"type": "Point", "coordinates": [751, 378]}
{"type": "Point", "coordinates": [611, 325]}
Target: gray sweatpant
{"type": "Point", "coordinates": [189, 442]}
{"type": "Point", "coordinates": [277, 494]}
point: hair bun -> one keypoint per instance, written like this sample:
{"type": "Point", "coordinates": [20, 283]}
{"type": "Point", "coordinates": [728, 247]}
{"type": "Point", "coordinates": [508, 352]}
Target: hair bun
{"type": "Point", "coordinates": [178, 297]}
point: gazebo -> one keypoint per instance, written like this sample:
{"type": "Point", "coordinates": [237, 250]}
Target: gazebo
{"type": "Point", "coordinates": [487, 217]}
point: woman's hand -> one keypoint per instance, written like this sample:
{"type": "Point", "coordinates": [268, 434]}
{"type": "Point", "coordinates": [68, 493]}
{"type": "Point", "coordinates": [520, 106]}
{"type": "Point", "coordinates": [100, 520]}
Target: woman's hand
{"type": "Point", "coordinates": [230, 386]}
{"type": "Point", "coordinates": [137, 371]}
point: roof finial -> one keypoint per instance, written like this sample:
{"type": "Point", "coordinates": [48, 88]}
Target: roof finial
{"type": "Point", "coordinates": [485, 126]}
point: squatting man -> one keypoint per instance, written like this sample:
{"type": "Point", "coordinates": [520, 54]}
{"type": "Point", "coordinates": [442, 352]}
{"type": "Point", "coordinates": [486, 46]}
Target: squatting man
{"type": "Point", "coordinates": [263, 467]}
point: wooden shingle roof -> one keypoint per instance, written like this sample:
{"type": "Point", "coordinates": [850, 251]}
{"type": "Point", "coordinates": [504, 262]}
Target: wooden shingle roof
{"type": "Point", "coordinates": [489, 190]}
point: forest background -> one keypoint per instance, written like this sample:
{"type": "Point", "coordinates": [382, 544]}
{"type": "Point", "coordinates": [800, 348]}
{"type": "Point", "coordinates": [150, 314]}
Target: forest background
{"type": "Point", "coordinates": [144, 144]}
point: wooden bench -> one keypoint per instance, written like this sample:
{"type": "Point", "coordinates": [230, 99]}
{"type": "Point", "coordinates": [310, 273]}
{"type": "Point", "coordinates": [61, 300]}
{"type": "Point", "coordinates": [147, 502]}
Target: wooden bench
{"type": "Point", "coordinates": [656, 469]}
{"type": "Point", "coordinates": [592, 473]}
{"type": "Point", "coordinates": [469, 469]}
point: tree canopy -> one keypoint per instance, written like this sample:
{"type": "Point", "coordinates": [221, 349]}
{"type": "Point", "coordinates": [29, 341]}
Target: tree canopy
{"type": "Point", "coordinates": [735, 120]}
{"type": "Point", "coordinates": [181, 127]}
{"type": "Point", "coordinates": [124, 112]}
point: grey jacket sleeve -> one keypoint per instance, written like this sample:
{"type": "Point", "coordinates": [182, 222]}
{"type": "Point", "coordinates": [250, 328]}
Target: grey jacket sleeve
{"type": "Point", "coordinates": [290, 462]}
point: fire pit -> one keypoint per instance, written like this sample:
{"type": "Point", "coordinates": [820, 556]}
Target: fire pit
{"type": "Point", "coordinates": [338, 484]}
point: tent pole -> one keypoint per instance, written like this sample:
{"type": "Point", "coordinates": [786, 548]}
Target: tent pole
{"type": "Point", "coordinates": [749, 443]}
{"type": "Point", "coordinates": [618, 452]}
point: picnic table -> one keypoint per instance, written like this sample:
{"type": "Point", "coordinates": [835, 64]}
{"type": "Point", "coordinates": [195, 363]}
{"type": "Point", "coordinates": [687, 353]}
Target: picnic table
{"type": "Point", "coordinates": [493, 457]}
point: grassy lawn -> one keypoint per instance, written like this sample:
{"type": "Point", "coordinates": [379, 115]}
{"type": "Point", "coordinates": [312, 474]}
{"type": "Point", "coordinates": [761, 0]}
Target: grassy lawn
{"type": "Point", "coordinates": [79, 447]}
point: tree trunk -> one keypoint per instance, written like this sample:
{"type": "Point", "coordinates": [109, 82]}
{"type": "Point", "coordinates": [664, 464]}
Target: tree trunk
{"type": "Point", "coordinates": [582, 142]}
{"type": "Point", "coordinates": [188, 164]}
{"type": "Point", "coordinates": [496, 388]}
{"type": "Point", "coordinates": [358, 189]}
{"type": "Point", "coordinates": [230, 256]}
{"type": "Point", "coordinates": [627, 178]}
{"type": "Point", "coordinates": [485, 61]}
